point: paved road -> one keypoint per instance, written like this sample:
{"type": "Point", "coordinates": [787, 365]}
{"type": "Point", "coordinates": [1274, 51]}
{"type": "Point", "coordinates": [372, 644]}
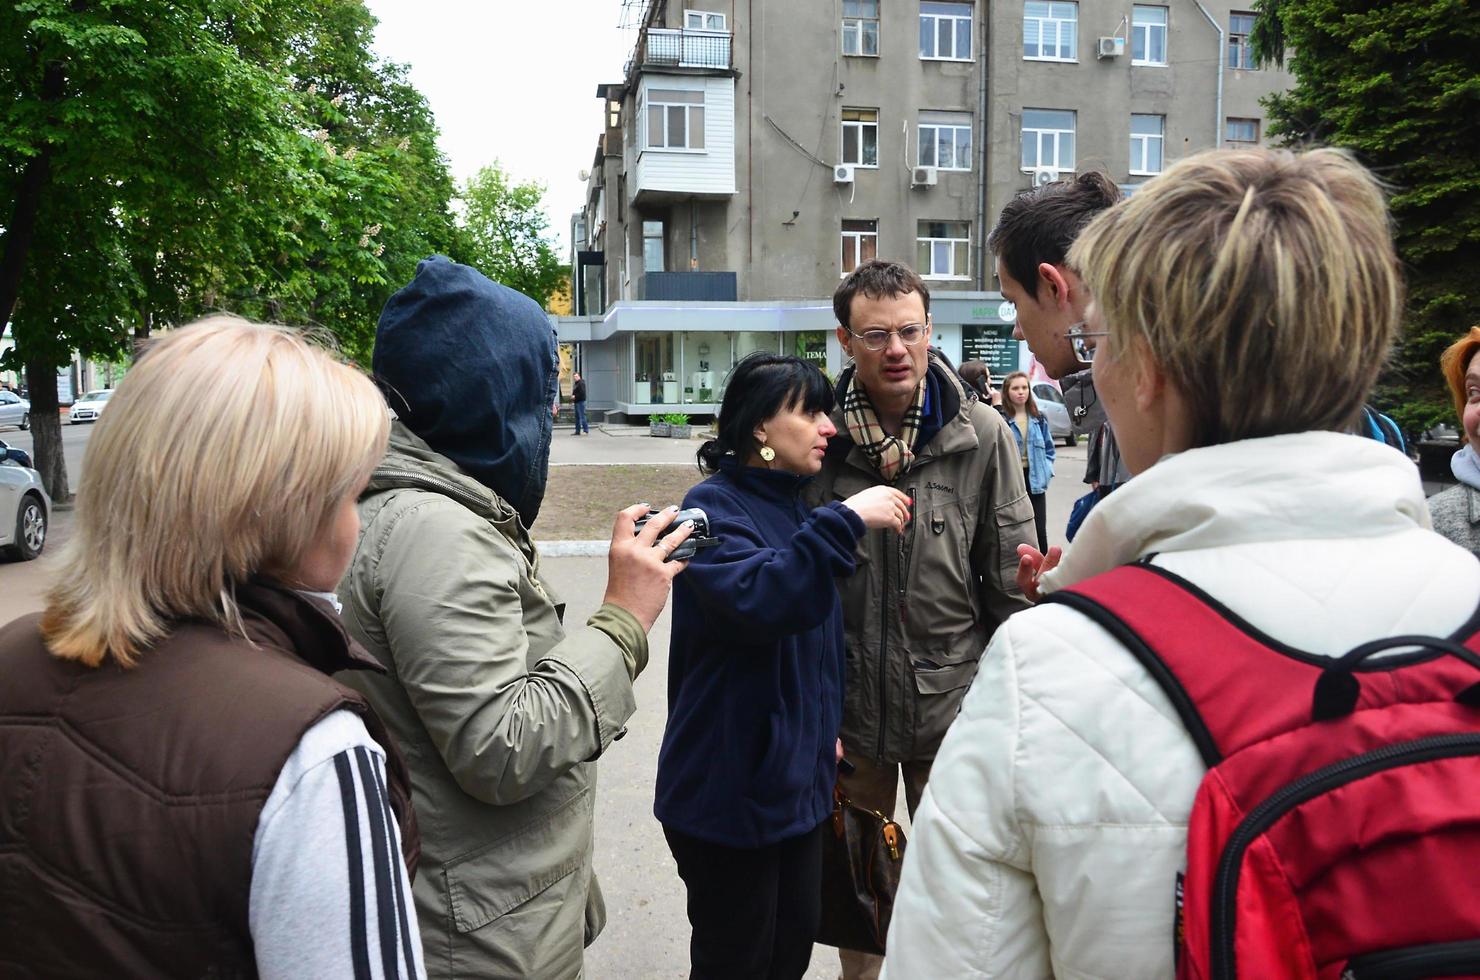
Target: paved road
{"type": "Point", "coordinates": [647, 932]}
{"type": "Point", "coordinates": [74, 444]}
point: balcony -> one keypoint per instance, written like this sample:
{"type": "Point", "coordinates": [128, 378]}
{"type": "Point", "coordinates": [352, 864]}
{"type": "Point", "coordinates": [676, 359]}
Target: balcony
{"type": "Point", "coordinates": [679, 48]}
{"type": "Point", "coordinates": [703, 286]}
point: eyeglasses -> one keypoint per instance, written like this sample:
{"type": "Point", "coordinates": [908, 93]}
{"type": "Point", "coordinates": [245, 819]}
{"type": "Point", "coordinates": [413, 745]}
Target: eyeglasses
{"type": "Point", "coordinates": [910, 334]}
{"type": "Point", "coordinates": [1079, 340]}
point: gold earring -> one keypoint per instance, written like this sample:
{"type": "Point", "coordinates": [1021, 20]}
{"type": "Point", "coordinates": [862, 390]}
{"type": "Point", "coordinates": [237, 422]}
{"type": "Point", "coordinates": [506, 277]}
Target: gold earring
{"type": "Point", "coordinates": [767, 453]}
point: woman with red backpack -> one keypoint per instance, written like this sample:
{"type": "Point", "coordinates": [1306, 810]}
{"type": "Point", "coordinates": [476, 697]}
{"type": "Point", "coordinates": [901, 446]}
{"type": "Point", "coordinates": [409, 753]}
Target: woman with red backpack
{"type": "Point", "coordinates": [1204, 752]}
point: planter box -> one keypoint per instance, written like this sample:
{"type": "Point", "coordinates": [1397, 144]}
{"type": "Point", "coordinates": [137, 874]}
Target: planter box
{"type": "Point", "coordinates": [679, 431]}
{"type": "Point", "coordinates": [659, 430]}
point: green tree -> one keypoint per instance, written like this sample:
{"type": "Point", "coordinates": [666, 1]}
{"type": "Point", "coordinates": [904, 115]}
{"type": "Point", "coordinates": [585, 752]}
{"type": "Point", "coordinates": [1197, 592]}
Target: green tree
{"type": "Point", "coordinates": [161, 160]}
{"type": "Point", "coordinates": [505, 229]}
{"type": "Point", "coordinates": [1398, 83]}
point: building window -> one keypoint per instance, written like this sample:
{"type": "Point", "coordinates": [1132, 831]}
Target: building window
{"type": "Point", "coordinates": [1241, 134]}
{"type": "Point", "coordinates": [1148, 35]}
{"type": "Point", "coordinates": [652, 246]}
{"type": "Point", "coordinates": [860, 242]}
{"type": "Point", "coordinates": [945, 140]}
{"type": "Point", "coordinates": [1050, 31]}
{"type": "Point", "coordinates": [945, 31]}
{"type": "Point", "coordinates": [861, 27]}
{"type": "Point", "coordinates": [703, 20]}
{"type": "Point", "coordinates": [1240, 51]}
{"type": "Point", "coordinates": [1148, 135]}
{"type": "Point", "coordinates": [943, 250]}
{"type": "Point", "coordinates": [675, 120]}
{"type": "Point", "coordinates": [861, 137]}
{"type": "Point", "coordinates": [1048, 139]}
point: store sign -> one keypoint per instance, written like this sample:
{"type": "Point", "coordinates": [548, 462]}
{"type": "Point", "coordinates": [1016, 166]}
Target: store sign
{"type": "Point", "coordinates": [811, 345]}
{"type": "Point", "coordinates": [1007, 312]}
{"type": "Point", "coordinates": [992, 344]}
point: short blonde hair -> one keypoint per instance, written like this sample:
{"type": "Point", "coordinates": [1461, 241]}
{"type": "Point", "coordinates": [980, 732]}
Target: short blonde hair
{"type": "Point", "coordinates": [223, 453]}
{"type": "Point", "coordinates": [1263, 283]}
{"type": "Point", "coordinates": [1455, 363]}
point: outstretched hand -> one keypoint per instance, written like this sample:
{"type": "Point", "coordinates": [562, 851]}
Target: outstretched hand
{"type": "Point", "coordinates": [1031, 565]}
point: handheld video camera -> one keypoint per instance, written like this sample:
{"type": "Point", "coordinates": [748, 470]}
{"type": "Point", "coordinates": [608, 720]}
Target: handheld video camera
{"type": "Point", "coordinates": [698, 538]}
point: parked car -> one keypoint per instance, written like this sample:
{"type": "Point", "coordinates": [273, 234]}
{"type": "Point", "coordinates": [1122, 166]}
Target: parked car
{"type": "Point", "coordinates": [1051, 403]}
{"type": "Point", "coordinates": [89, 408]}
{"type": "Point", "coordinates": [25, 509]}
{"type": "Point", "coordinates": [14, 410]}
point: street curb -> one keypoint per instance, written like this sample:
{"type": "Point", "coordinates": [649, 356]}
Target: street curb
{"type": "Point", "coordinates": [572, 549]}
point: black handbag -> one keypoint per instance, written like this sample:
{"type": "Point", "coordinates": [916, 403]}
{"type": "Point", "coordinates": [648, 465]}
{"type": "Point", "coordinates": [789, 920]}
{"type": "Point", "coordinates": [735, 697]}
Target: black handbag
{"type": "Point", "coordinates": [862, 854]}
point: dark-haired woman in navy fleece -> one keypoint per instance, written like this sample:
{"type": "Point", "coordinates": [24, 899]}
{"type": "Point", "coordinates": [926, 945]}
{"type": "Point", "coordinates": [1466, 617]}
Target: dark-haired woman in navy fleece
{"type": "Point", "coordinates": [755, 675]}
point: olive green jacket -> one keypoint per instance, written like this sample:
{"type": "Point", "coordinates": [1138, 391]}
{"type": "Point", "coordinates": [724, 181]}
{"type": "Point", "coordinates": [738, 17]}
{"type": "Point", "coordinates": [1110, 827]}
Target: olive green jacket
{"type": "Point", "coordinates": [920, 608]}
{"type": "Point", "coordinates": [500, 713]}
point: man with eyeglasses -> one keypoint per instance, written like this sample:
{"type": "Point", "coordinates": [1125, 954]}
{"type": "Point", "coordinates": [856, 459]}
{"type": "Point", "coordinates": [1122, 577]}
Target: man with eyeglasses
{"type": "Point", "coordinates": [1030, 242]}
{"type": "Point", "coordinates": [922, 605]}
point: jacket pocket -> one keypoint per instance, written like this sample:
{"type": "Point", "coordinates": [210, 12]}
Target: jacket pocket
{"type": "Point", "coordinates": [944, 679]}
{"type": "Point", "coordinates": [499, 877]}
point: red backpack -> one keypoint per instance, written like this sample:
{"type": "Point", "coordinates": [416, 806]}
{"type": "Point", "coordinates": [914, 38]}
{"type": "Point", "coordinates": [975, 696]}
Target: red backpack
{"type": "Point", "coordinates": [1336, 835]}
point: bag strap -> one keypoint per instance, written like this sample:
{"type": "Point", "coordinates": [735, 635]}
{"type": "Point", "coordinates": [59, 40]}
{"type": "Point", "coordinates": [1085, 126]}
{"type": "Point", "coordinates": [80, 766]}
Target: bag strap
{"type": "Point", "coordinates": [1231, 684]}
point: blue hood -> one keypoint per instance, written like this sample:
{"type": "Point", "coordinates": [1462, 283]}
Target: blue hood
{"type": "Point", "coordinates": [471, 367]}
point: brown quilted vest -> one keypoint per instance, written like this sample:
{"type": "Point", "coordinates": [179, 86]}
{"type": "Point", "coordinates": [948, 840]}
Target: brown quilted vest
{"type": "Point", "coordinates": [129, 798]}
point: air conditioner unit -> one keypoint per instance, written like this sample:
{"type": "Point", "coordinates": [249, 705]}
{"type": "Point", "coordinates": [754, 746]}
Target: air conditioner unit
{"type": "Point", "coordinates": [1044, 175]}
{"type": "Point", "coordinates": [924, 176]}
{"type": "Point", "coordinates": [1110, 47]}
{"type": "Point", "coordinates": [843, 173]}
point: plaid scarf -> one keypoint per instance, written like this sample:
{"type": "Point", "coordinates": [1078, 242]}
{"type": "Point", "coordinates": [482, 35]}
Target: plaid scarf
{"type": "Point", "coordinates": [891, 455]}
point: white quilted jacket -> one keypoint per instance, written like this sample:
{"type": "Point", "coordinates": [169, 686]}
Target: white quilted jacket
{"type": "Point", "coordinates": [1053, 827]}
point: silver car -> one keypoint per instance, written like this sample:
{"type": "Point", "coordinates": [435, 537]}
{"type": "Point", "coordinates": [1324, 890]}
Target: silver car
{"type": "Point", "coordinates": [14, 410]}
{"type": "Point", "coordinates": [1051, 404]}
{"type": "Point", "coordinates": [25, 509]}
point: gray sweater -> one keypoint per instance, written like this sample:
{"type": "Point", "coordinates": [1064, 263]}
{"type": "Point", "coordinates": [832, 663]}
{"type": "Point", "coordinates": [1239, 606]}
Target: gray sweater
{"type": "Point", "coordinates": [1456, 514]}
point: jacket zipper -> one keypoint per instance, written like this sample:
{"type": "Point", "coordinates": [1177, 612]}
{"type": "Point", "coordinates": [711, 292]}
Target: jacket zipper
{"type": "Point", "coordinates": [883, 649]}
{"type": "Point", "coordinates": [1307, 787]}
{"type": "Point", "coordinates": [906, 545]}
{"type": "Point", "coordinates": [1416, 962]}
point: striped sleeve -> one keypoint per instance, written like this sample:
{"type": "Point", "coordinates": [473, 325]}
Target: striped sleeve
{"type": "Point", "coordinates": [330, 894]}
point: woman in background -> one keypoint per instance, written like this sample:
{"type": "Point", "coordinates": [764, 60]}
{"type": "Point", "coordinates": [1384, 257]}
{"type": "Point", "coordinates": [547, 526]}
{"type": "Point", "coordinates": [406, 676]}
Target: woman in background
{"type": "Point", "coordinates": [755, 675]}
{"type": "Point", "coordinates": [1035, 445]}
{"type": "Point", "coordinates": [1456, 511]}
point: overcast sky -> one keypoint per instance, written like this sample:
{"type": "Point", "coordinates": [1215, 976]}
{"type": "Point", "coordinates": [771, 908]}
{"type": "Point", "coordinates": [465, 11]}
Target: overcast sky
{"type": "Point", "coordinates": [512, 81]}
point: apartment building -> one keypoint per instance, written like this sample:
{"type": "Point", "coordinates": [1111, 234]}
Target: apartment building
{"type": "Point", "coordinates": [757, 150]}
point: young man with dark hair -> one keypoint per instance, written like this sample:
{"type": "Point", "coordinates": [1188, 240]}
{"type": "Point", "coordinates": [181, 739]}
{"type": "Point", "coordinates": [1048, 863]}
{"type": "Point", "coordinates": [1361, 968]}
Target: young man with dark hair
{"type": "Point", "coordinates": [916, 615]}
{"type": "Point", "coordinates": [1032, 237]}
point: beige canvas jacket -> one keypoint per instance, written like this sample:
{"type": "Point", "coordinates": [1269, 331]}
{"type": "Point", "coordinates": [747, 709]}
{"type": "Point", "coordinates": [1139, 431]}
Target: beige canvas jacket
{"type": "Point", "coordinates": [500, 713]}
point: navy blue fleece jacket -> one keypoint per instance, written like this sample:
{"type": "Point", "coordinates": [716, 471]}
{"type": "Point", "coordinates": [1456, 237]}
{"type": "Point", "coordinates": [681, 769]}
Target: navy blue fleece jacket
{"type": "Point", "coordinates": [755, 668]}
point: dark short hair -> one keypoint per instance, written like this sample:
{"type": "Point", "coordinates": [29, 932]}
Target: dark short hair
{"type": "Point", "coordinates": [1039, 225]}
{"type": "Point", "coordinates": [978, 375]}
{"type": "Point", "coordinates": [876, 278]}
{"type": "Point", "coordinates": [760, 386]}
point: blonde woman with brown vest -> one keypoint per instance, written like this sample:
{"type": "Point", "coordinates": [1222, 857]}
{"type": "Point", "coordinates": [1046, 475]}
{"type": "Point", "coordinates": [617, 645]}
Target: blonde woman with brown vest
{"type": "Point", "coordinates": [185, 791]}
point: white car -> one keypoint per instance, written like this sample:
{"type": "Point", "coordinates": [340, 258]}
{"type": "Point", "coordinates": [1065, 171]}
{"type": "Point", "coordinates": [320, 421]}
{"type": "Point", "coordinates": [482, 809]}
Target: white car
{"type": "Point", "coordinates": [1051, 404]}
{"type": "Point", "coordinates": [14, 410]}
{"type": "Point", "coordinates": [89, 408]}
{"type": "Point", "coordinates": [25, 509]}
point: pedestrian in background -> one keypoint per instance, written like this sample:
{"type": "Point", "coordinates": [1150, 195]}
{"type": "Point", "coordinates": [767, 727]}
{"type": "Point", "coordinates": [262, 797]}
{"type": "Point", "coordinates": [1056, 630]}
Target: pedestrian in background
{"type": "Point", "coordinates": [502, 713]}
{"type": "Point", "coordinates": [979, 377]}
{"type": "Point", "coordinates": [188, 792]}
{"type": "Point", "coordinates": [1055, 830]}
{"type": "Point", "coordinates": [918, 613]}
{"type": "Point", "coordinates": [755, 675]}
{"type": "Point", "coordinates": [1035, 445]}
{"type": "Point", "coordinates": [578, 398]}
{"type": "Point", "coordinates": [1456, 511]}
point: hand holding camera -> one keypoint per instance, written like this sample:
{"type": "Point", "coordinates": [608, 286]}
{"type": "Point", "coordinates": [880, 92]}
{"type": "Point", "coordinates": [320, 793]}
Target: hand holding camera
{"type": "Point", "coordinates": [639, 574]}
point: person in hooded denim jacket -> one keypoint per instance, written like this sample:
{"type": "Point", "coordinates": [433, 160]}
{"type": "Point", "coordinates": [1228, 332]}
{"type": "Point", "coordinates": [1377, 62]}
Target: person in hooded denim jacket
{"type": "Point", "coordinates": [1456, 511]}
{"type": "Point", "coordinates": [501, 712]}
